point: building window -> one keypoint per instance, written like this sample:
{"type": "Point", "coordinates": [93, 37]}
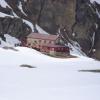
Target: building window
{"type": "Point", "coordinates": [62, 49]}
{"type": "Point", "coordinates": [44, 41]}
{"type": "Point", "coordinates": [52, 49]}
{"type": "Point", "coordinates": [58, 48]}
{"type": "Point", "coordinates": [39, 41]}
{"type": "Point", "coordinates": [34, 42]}
{"type": "Point", "coordinates": [50, 42]}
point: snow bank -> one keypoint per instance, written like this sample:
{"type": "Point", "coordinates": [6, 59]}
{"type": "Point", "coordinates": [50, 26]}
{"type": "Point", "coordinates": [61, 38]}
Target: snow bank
{"type": "Point", "coordinates": [3, 43]}
{"type": "Point", "coordinates": [11, 40]}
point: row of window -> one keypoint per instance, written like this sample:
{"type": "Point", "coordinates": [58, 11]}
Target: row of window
{"type": "Point", "coordinates": [43, 41]}
{"type": "Point", "coordinates": [56, 49]}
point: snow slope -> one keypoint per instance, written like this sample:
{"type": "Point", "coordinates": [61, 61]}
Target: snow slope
{"type": "Point", "coordinates": [10, 41]}
{"type": "Point", "coordinates": [52, 79]}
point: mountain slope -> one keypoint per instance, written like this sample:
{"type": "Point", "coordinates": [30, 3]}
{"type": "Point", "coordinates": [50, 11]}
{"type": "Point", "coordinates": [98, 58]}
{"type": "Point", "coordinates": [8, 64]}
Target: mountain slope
{"type": "Point", "coordinates": [77, 20]}
{"type": "Point", "coordinates": [14, 20]}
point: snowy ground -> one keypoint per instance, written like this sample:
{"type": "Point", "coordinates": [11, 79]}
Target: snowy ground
{"type": "Point", "coordinates": [10, 41]}
{"type": "Point", "coordinates": [52, 79]}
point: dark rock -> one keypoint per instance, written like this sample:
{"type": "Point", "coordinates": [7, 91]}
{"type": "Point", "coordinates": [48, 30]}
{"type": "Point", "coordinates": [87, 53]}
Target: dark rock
{"type": "Point", "coordinates": [6, 10]}
{"type": "Point", "coordinates": [14, 27]}
{"type": "Point", "coordinates": [85, 27]}
{"type": "Point", "coordinates": [2, 37]}
{"type": "Point", "coordinates": [27, 66]}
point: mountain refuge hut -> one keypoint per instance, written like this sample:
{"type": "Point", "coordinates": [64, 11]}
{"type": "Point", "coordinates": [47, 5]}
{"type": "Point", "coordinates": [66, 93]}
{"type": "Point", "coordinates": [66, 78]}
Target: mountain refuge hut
{"type": "Point", "coordinates": [48, 44]}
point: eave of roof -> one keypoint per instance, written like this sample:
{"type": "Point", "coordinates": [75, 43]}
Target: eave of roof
{"type": "Point", "coordinates": [42, 36]}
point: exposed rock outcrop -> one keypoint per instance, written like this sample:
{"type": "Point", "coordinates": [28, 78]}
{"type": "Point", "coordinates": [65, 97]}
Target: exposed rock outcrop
{"type": "Point", "coordinates": [14, 27]}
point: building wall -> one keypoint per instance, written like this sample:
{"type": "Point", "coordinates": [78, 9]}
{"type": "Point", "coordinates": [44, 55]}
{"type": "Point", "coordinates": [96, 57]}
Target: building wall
{"type": "Point", "coordinates": [33, 42]}
{"type": "Point", "coordinates": [54, 53]}
{"type": "Point", "coordinates": [37, 43]}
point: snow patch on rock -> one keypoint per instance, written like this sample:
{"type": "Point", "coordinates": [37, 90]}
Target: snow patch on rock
{"type": "Point", "coordinates": [92, 1]}
{"type": "Point", "coordinates": [40, 30]}
{"type": "Point", "coordinates": [3, 3]}
{"type": "Point", "coordinates": [20, 7]}
{"type": "Point", "coordinates": [9, 42]}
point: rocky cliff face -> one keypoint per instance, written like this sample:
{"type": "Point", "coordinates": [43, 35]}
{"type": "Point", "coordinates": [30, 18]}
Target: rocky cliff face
{"type": "Point", "coordinates": [14, 27]}
{"type": "Point", "coordinates": [79, 20]}
{"type": "Point", "coordinates": [86, 28]}
{"type": "Point", "coordinates": [49, 14]}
